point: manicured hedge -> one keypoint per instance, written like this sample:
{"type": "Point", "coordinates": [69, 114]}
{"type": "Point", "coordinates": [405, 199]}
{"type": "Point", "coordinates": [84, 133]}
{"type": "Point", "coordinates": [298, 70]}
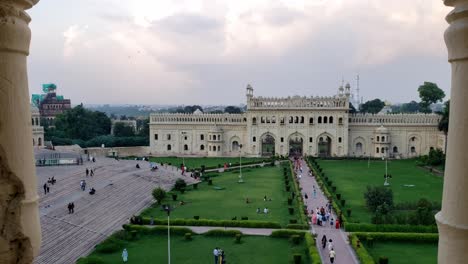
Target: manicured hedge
{"type": "Point", "coordinates": [208, 222]}
{"type": "Point", "coordinates": [314, 255]}
{"type": "Point", "coordinates": [221, 232]}
{"type": "Point", "coordinates": [404, 237]}
{"type": "Point", "coordinates": [297, 226]}
{"type": "Point", "coordinates": [352, 227]}
{"type": "Point", "coordinates": [361, 252]}
{"type": "Point", "coordinates": [157, 230]}
{"type": "Point", "coordinates": [302, 214]}
{"type": "Point", "coordinates": [286, 233]}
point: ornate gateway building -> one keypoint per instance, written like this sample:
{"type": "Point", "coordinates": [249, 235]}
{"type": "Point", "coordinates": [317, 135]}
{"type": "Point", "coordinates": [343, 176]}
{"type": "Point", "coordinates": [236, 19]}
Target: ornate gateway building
{"type": "Point", "coordinates": [318, 126]}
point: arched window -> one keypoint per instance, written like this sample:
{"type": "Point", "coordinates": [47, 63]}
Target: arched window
{"type": "Point", "coordinates": [254, 121]}
{"type": "Point", "coordinates": [340, 120]}
{"type": "Point", "coordinates": [339, 140]}
{"type": "Point", "coordinates": [311, 120]}
{"type": "Point", "coordinates": [330, 120]}
{"type": "Point", "coordinates": [39, 141]}
{"type": "Point", "coordinates": [325, 119]}
{"type": "Point", "coordinates": [185, 147]}
{"type": "Point", "coordinates": [320, 120]}
{"type": "Point", "coordinates": [219, 148]}
{"type": "Point", "coordinates": [413, 149]}
{"type": "Point", "coordinates": [358, 147]}
{"type": "Point", "coordinates": [202, 147]}
{"type": "Point", "coordinates": [377, 150]}
{"type": "Point", "coordinates": [378, 138]}
{"type": "Point", "coordinates": [413, 139]}
{"type": "Point", "coordinates": [32, 121]}
{"type": "Point", "coordinates": [382, 150]}
{"type": "Point", "coordinates": [254, 139]}
{"type": "Point", "coordinates": [302, 120]}
{"type": "Point", "coordinates": [202, 137]}
{"type": "Point", "coordinates": [395, 149]}
{"type": "Point", "coordinates": [383, 138]}
{"type": "Point", "coordinates": [291, 120]}
{"type": "Point", "coordinates": [169, 147]}
{"type": "Point", "coordinates": [296, 120]}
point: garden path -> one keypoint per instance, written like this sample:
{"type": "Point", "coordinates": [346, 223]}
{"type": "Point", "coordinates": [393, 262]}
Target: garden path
{"type": "Point", "coordinates": [121, 191]}
{"type": "Point", "coordinates": [344, 252]}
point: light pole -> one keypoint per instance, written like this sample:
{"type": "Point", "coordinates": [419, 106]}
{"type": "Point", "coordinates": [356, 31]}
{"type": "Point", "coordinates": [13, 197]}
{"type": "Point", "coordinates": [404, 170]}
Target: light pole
{"type": "Point", "coordinates": [386, 176]}
{"type": "Point", "coordinates": [168, 209]}
{"type": "Point", "coordinates": [240, 165]}
{"type": "Point", "coordinates": [370, 151]}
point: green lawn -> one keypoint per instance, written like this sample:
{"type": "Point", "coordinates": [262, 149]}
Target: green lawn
{"type": "Point", "coordinates": [196, 162]}
{"type": "Point", "coordinates": [352, 176]}
{"type": "Point", "coordinates": [252, 250]}
{"type": "Point", "coordinates": [405, 253]}
{"type": "Point", "coordinates": [209, 203]}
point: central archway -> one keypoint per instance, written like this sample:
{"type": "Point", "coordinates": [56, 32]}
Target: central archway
{"type": "Point", "coordinates": [296, 145]}
{"type": "Point", "coordinates": [267, 145]}
{"type": "Point", "coordinates": [324, 146]}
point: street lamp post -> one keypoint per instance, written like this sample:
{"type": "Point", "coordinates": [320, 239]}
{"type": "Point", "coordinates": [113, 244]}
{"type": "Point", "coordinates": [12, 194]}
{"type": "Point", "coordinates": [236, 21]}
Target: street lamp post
{"type": "Point", "coordinates": [370, 151]}
{"type": "Point", "coordinates": [386, 176]}
{"type": "Point", "coordinates": [240, 165]}
{"type": "Point", "coordinates": [168, 209]}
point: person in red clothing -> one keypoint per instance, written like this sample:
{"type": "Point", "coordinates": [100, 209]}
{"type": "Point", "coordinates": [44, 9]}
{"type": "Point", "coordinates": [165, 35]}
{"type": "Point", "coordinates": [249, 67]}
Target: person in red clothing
{"type": "Point", "coordinates": [337, 224]}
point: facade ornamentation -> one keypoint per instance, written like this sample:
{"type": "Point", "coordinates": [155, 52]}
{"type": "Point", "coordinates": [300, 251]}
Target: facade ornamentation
{"type": "Point", "coordinates": [318, 126]}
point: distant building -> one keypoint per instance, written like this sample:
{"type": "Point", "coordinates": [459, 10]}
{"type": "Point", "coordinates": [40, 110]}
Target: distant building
{"type": "Point", "coordinates": [50, 104]}
{"type": "Point", "coordinates": [37, 129]}
{"type": "Point", "coordinates": [131, 123]}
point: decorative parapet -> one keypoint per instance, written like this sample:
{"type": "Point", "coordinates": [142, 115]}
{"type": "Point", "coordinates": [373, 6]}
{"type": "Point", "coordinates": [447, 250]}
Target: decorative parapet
{"type": "Point", "coordinates": [298, 102]}
{"type": "Point", "coordinates": [394, 119]}
{"type": "Point", "coordinates": [165, 118]}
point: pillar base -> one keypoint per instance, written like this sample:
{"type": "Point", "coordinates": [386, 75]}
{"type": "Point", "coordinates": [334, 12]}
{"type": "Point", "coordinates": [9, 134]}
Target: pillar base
{"type": "Point", "coordinates": [453, 241]}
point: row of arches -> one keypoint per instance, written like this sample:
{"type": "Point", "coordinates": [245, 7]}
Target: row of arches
{"type": "Point", "coordinates": [281, 102]}
{"type": "Point", "coordinates": [35, 121]}
{"type": "Point", "coordinates": [199, 119]}
{"type": "Point", "coordinates": [296, 120]}
{"type": "Point", "coordinates": [39, 142]}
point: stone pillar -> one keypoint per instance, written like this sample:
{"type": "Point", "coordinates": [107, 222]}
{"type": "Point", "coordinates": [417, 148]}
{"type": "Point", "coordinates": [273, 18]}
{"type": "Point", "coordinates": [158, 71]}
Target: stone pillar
{"type": "Point", "coordinates": [452, 220]}
{"type": "Point", "coordinates": [20, 235]}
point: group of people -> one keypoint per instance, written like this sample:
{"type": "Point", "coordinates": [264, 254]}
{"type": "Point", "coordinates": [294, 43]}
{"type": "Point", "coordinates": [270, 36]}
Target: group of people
{"type": "Point", "coordinates": [324, 215]}
{"type": "Point", "coordinates": [331, 251]}
{"type": "Point", "coordinates": [90, 172]}
{"type": "Point", "coordinates": [46, 186]}
{"type": "Point", "coordinates": [219, 256]}
{"type": "Point", "coordinates": [265, 210]}
{"type": "Point", "coordinates": [71, 208]}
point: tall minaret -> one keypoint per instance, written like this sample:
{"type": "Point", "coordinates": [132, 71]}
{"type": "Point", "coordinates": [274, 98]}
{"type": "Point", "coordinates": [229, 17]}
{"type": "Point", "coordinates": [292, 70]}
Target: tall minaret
{"type": "Point", "coordinates": [347, 90]}
{"type": "Point", "coordinates": [249, 94]}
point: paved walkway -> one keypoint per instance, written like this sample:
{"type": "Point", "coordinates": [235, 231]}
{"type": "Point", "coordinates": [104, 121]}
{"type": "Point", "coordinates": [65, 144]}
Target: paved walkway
{"type": "Point", "coordinates": [121, 191]}
{"type": "Point", "coordinates": [344, 252]}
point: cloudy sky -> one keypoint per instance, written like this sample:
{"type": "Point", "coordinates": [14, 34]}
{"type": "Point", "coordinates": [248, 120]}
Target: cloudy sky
{"type": "Point", "coordinates": [207, 51]}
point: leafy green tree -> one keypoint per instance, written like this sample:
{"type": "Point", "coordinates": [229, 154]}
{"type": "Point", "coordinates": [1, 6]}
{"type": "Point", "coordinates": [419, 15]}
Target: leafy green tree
{"type": "Point", "coordinates": [180, 184]}
{"type": "Point", "coordinates": [80, 123]}
{"type": "Point", "coordinates": [411, 107]}
{"type": "Point", "coordinates": [143, 127]}
{"type": "Point", "coordinates": [436, 157]}
{"type": "Point", "coordinates": [123, 130]}
{"type": "Point", "coordinates": [429, 93]}
{"type": "Point", "coordinates": [372, 106]}
{"type": "Point", "coordinates": [232, 110]}
{"type": "Point", "coordinates": [159, 194]}
{"type": "Point", "coordinates": [444, 122]}
{"type": "Point", "coordinates": [352, 109]}
{"type": "Point", "coordinates": [378, 195]}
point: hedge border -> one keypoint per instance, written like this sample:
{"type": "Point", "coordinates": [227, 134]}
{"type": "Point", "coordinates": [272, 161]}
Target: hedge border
{"type": "Point", "coordinates": [299, 197]}
{"type": "Point", "coordinates": [399, 237]}
{"type": "Point", "coordinates": [353, 227]}
{"type": "Point", "coordinates": [361, 252]}
{"type": "Point", "coordinates": [311, 244]}
{"type": "Point", "coordinates": [210, 222]}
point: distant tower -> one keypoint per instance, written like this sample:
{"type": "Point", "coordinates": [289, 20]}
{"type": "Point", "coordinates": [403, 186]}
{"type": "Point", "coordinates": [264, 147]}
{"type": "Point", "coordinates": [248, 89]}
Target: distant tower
{"type": "Point", "coordinates": [341, 91]}
{"type": "Point", "coordinates": [347, 90]}
{"type": "Point", "coordinates": [249, 91]}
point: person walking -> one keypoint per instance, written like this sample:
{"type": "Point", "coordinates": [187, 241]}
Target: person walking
{"type": "Point", "coordinates": [332, 255]}
{"type": "Point", "coordinates": [45, 188]}
{"type": "Point", "coordinates": [324, 241]}
{"type": "Point", "coordinates": [72, 208]}
{"type": "Point", "coordinates": [330, 244]}
{"type": "Point", "coordinates": [87, 172]}
{"type": "Point", "coordinates": [125, 255]}
{"type": "Point", "coordinates": [216, 255]}
{"type": "Point", "coordinates": [315, 193]}
{"type": "Point", "coordinates": [69, 208]}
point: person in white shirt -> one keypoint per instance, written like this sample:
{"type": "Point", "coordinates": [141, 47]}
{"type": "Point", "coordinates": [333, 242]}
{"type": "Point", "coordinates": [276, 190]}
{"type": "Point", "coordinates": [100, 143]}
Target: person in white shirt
{"type": "Point", "coordinates": [332, 255]}
{"type": "Point", "coordinates": [330, 244]}
{"type": "Point", "coordinates": [265, 211]}
{"type": "Point", "coordinates": [216, 254]}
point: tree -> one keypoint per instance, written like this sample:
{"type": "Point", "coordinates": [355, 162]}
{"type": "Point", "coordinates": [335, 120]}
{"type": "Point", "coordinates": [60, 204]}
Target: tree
{"type": "Point", "coordinates": [123, 130]}
{"type": "Point", "coordinates": [411, 107]}
{"type": "Point", "coordinates": [232, 110]}
{"type": "Point", "coordinates": [143, 127]}
{"type": "Point", "coordinates": [159, 194]}
{"type": "Point", "coordinates": [189, 109]}
{"type": "Point", "coordinates": [352, 109]}
{"type": "Point", "coordinates": [180, 184]}
{"type": "Point", "coordinates": [429, 93]}
{"type": "Point", "coordinates": [373, 106]}
{"type": "Point", "coordinates": [444, 122]}
{"type": "Point", "coordinates": [378, 195]}
{"type": "Point", "coordinates": [80, 123]}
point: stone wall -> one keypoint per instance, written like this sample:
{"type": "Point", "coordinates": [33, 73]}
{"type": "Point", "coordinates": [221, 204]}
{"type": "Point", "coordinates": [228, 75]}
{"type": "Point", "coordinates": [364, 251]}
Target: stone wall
{"type": "Point", "coordinates": [120, 151]}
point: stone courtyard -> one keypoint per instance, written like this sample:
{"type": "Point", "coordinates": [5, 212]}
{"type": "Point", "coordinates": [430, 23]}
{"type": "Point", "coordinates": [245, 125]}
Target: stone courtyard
{"type": "Point", "coordinates": [121, 191]}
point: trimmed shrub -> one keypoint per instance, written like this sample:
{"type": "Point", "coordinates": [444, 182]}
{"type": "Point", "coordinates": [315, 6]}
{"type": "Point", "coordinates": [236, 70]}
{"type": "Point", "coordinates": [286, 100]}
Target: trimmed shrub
{"type": "Point", "coordinates": [180, 184]}
{"type": "Point", "coordinates": [182, 190]}
{"type": "Point", "coordinates": [188, 236]}
{"type": "Point", "coordinates": [90, 260]}
{"type": "Point", "coordinates": [288, 188]}
{"type": "Point", "coordinates": [293, 221]}
{"type": "Point", "coordinates": [174, 197]}
{"type": "Point", "coordinates": [159, 194]}
{"type": "Point", "coordinates": [289, 201]}
{"type": "Point", "coordinates": [338, 196]}
{"type": "Point", "coordinates": [209, 222]}
{"type": "Point", "coordinates": [109, 246]}
{"type": "Point", "coordinates": [297, 226]}
{"type": "Point", "coordinates": [195, 186]}
{"type": "Point", "coordinates": [297, 258]}
{"type": "Point", "coordinates": [408, 237]}
{"type": "Point", "coordinates": [285, 233]}
{"type": "Point", "coordinates": [343, 202]}
{"type": "Point", "coordinates": [334, 189]}
{"type": "Point", "coordinates": [196, 217]}
{"type": "Point", "coordinates": [222, 233]}
{"type": "Point", "coordinates": [238, 238]}
{"type": "Point", "coordinates": [296, 239]}
{"type": "Point", "coordinates": [353, 227]}
{"type": "Point", "coordinates": [370, 241]}
{"type": "Point", "coordinates": [348, 212]}
{"type": "Point", "coordinates": [291, 210]}
{"type": "Point", "coordinates": [361, 252]}
{"type": "Point", "coordinates": [244, 218]}
{"type": "Point", "coordinates": [210, 182]}
{"type": "Point", "coordinates": [383, 260]}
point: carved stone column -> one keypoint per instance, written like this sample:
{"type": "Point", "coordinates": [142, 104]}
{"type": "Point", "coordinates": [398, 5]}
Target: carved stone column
{"type": "Point", "coordinates": [20, 234]}
{"type": "Point", "coordinates": [452, 220]}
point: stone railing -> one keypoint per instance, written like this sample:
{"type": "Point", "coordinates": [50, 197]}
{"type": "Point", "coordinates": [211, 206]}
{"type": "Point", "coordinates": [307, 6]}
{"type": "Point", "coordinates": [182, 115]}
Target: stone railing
{"type": "Point", "coordinates": [298, 102]}
{"type": "Point", "coordinates": [407, 119]}
{"type": "Point", "coordinates": [198, 118]}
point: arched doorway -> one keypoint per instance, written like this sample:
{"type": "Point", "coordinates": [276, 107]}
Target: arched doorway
{"type": "Point", "coordinates": [296, 144]}
{"type": "Point", "coordinates": [324, 146]}
{"type": "Point", "coordinates": [268, 145]}
{"type": "Point", "coordinates": [235, 146]}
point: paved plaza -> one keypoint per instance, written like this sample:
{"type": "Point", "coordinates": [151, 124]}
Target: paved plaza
{"type": "Point", "coordinates": [122, 190]}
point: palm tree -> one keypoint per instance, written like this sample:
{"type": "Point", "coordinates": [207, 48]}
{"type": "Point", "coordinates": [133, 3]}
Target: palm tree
{"type": "Point", "coordinates": [444, 122]}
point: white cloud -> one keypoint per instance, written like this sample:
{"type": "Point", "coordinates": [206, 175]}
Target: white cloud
{"type": "Point", "coordinates": [73, 35]}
